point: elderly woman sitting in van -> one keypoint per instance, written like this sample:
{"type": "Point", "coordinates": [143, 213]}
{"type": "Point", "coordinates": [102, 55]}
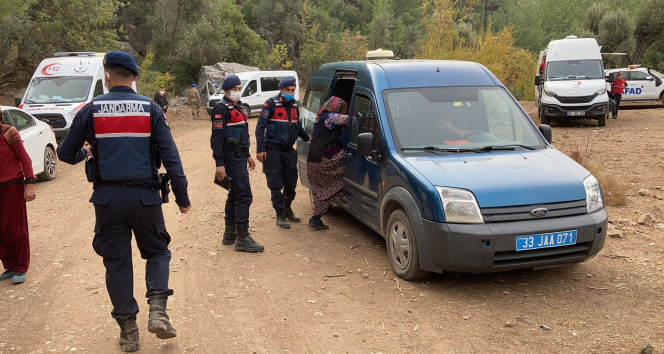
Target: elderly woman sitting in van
{"type": "Point", "coordinates": [325, 166]}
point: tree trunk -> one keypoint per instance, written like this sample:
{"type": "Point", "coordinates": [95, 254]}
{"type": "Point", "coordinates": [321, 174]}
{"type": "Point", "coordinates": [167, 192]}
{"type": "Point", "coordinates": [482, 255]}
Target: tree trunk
{"type": "Point", "coordinates": [640, 49]}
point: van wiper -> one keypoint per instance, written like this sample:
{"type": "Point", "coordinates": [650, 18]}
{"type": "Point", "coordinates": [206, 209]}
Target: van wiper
{"type": "Point", "coordinates": [29, 101]}
{"type": "Point", "coordinates": [504, 147]}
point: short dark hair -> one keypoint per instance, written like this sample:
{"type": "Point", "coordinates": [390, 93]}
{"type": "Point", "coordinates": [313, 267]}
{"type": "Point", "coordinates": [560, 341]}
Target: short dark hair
{"type": "Point", "coordinates": [121, 72]}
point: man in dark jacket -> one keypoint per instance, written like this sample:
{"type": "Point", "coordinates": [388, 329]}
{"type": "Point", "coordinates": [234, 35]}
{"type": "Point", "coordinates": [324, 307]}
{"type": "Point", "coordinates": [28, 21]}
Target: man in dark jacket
{"type": "Point", "coordinates": [277, 130]}
{"type": "Point", "coordinates": [161, 99]}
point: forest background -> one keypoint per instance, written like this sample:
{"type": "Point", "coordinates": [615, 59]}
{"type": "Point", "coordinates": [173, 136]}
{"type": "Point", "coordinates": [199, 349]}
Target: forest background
{"type": "Point", "coordinates": [172, 39]}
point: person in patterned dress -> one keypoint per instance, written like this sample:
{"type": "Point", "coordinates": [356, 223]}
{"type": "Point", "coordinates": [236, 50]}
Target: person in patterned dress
{"type": "Point", "coordinates": [325, 166]}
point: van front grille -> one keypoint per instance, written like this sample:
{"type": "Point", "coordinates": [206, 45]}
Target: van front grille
{"type": "Point", "coordinates": [523, 212]}
{"type": "Point", "coordinates": [54, 120]}
{"type": "Point", "coordinates": [577, 99]}
{"type": "Point", "coordinates": [548, 255]}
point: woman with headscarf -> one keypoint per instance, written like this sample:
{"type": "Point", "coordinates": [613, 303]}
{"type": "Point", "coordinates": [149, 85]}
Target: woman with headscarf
{"type": "Point", "coordinates": [17, 186]}
{"type": "Point", "coordinates": [325, 167]}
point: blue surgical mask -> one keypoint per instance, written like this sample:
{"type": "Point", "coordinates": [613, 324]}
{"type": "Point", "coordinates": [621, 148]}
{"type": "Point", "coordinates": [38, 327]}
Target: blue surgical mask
{"type": "Point", "coordinates": [287, 96]}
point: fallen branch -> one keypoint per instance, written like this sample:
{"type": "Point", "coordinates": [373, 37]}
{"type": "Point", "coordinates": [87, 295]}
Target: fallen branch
{"type": "Point", "coordinates": [317, 292]}
{"type": "Point", "coordinates": [398, 286]}
{"type": "Point", "coordinates": [334, 275]}
{"type": "Point", "coordinates": [594, 288]}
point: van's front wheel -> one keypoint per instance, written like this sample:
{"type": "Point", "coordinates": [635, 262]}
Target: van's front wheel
{"type": "Point", "coordinates": [402, 247]}
{"type": "Point", "coordinates": [543, 119]}
{"type": "Point", "coordinates": [246, 110]}
{"type": "Point", "coordinates": [601, 121]}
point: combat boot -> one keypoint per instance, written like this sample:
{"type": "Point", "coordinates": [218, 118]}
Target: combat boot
{"type": "Point", "coordinates": [281, 219]}
{"type": "Point", "coordinates": [158, 322]}
{"type": "Point", "coordinates": [290, 216]}
{"type": "Point", "coordinates": [230, 234]}
{"type": "Point", "coordinates": [128, 334]}
{"type": "Point", "coordinates": [245, 243]}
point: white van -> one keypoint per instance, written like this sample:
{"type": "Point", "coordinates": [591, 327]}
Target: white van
{"type": "Point", "coordinates": [61, 86]}
{"type": "Point", "coordinates": [257, 87]}
{"type": "Point", "coordinates": [572, 84]}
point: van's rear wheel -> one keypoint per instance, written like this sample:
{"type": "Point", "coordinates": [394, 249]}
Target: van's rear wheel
{"type": "Point", "coordinates": [601, 121]}
{"type": "Point", "coordinates": [402, 247]}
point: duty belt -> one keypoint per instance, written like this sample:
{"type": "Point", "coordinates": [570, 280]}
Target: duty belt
{"type": "Point", "coordinates": [128, 185]}
{"type": "Point", "coordinates": [278, 148]}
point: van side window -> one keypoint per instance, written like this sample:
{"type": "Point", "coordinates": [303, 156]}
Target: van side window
{"type": "Point", "coordinates": [250, 89]}
{"type": "Point", "coordinates": [365, 121]}
{"type": "Point", "coordinates": [638, 75]}
{"type": "Point", "coordinates": [314, 98]}
{"type": "Point", "coordinates": [270, 83]}
{"type": "Point", "coordinates": [99, 89]}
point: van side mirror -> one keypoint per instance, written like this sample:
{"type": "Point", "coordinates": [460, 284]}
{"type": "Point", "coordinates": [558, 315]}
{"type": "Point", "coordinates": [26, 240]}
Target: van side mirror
{"type": "Point", "coordinates": [538, 80]}
{"type": "Point", "coordinates": [545, 129]}
{"type": "Point", "coordinates": [611, 78]}
{"type": "Point", "coordinates": [364, 144]}
{"type": "Point", "coordinates": [17, 101]}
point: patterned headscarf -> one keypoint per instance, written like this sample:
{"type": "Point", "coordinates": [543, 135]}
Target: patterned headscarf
{"type": "Point", "coordinates": [333, 105]}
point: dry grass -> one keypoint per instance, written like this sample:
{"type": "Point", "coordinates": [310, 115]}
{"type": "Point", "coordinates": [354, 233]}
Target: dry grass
{"type": "Point", "coordinates": [614, 191]}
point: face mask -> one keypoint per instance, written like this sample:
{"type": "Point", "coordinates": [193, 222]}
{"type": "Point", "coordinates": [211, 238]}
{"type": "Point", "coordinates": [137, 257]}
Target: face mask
{"type": "Point", "coordinates": [234, 96]}
{"type": "Point", "coordinates": [161, 92]}
{"type": "Point", "coordinates": [287, 96]}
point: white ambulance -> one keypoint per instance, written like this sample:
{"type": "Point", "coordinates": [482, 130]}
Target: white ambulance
{"type": "Point", "coordinates": [572, 83]}
{"type": "Point", "coordinates": [643, 84]}
{"type": "Point", "coordinates": [61, 86]}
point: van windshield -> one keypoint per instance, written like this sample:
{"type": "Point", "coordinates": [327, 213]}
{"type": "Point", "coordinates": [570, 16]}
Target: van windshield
{"type": "Point", "coordinates": [458, 119]}
{"type": "Point", "coordinates": [59, 89]}
{"type": "Point", "coordinates": [574, 70]}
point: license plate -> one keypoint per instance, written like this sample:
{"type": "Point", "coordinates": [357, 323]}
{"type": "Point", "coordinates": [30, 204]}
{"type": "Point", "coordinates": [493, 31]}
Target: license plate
{"type": "Point", "coordinates": [551, 239]}
{"type": "Point", "coordinates": [579, 113]}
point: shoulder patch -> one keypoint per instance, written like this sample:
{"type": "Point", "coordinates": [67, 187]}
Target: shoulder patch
{"type": "Point", "coordinates": [266, 104]}
{"type": "Point", "coordinates": [217, 125]}
{"type": "Point", "coordinates": [217, 116]}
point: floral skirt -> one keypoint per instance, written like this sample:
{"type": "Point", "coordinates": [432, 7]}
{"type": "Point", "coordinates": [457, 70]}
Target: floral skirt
{"type": "Point", "coordinates": [327, 182]}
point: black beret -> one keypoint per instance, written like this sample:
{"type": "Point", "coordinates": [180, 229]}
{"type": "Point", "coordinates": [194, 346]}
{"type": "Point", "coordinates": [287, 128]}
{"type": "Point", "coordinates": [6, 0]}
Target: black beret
{"type": "Point", "coordinates": [121, 60]}
{"type": "Point", "coordinates": [230, 81]}
{"type": "Point", "coordinates": [287, 81]}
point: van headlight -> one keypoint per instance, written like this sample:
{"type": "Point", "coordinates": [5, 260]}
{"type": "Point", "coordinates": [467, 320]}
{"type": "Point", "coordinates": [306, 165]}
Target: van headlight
{"type": "Point", "coordinates": [460, 206]}
{"type": "Point", "coordinates": [72, 114]}
{"type": "Point", "coordinates": [549, 93]}
{"type": "Point", "coordinates": [594, 199]}
{"type": "Point", "coordinates": [601, 91]}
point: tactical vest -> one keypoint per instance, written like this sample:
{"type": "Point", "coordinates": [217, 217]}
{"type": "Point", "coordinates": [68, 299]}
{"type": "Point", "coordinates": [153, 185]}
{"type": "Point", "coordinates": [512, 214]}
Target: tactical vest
{"type": "Point", "coordinates": [123, 130]}
{"type": "Point", "coordinates": [237, 127]}
{"type": "Point", "coordinates": [282, 130]}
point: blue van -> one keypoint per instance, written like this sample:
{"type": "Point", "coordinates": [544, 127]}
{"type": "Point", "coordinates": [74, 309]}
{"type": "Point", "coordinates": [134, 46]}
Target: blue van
{"type": "Point", "coordinates": [445, 164]}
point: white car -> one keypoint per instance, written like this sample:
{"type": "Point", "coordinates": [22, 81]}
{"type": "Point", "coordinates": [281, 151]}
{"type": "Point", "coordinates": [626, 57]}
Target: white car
{"type": "Point", "coordinates": [643, 84]}
{"type": "Point", "coordinates": [38, 139]}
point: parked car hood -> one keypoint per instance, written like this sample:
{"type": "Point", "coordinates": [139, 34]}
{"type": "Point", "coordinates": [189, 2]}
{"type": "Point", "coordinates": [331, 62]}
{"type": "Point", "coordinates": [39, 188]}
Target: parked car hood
{"type": "Point", "coordinates": [507, 178]}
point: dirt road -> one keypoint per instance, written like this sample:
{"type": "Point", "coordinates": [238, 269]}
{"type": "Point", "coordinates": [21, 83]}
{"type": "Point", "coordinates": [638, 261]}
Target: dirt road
{"type": "Point", "coordinates": [333, 291]}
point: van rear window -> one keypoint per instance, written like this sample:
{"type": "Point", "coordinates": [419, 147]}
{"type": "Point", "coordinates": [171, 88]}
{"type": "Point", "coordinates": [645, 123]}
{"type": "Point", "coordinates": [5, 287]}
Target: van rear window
{"type": "Point", "coordinates": [270, 83]}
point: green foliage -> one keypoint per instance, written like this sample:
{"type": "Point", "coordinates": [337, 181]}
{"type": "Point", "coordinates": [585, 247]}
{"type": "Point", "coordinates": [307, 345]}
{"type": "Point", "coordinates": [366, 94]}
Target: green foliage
{"type": "Point", "coordinates": [151, 80]}
{"type": "Point", "coordinates": [649, 26]}
{"type": "Point", "coordinates": [447, 39]}
{"type": "Point", "coordinates": [182, 35]}
{"type": "Point", "coordinates": [278, 59]}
